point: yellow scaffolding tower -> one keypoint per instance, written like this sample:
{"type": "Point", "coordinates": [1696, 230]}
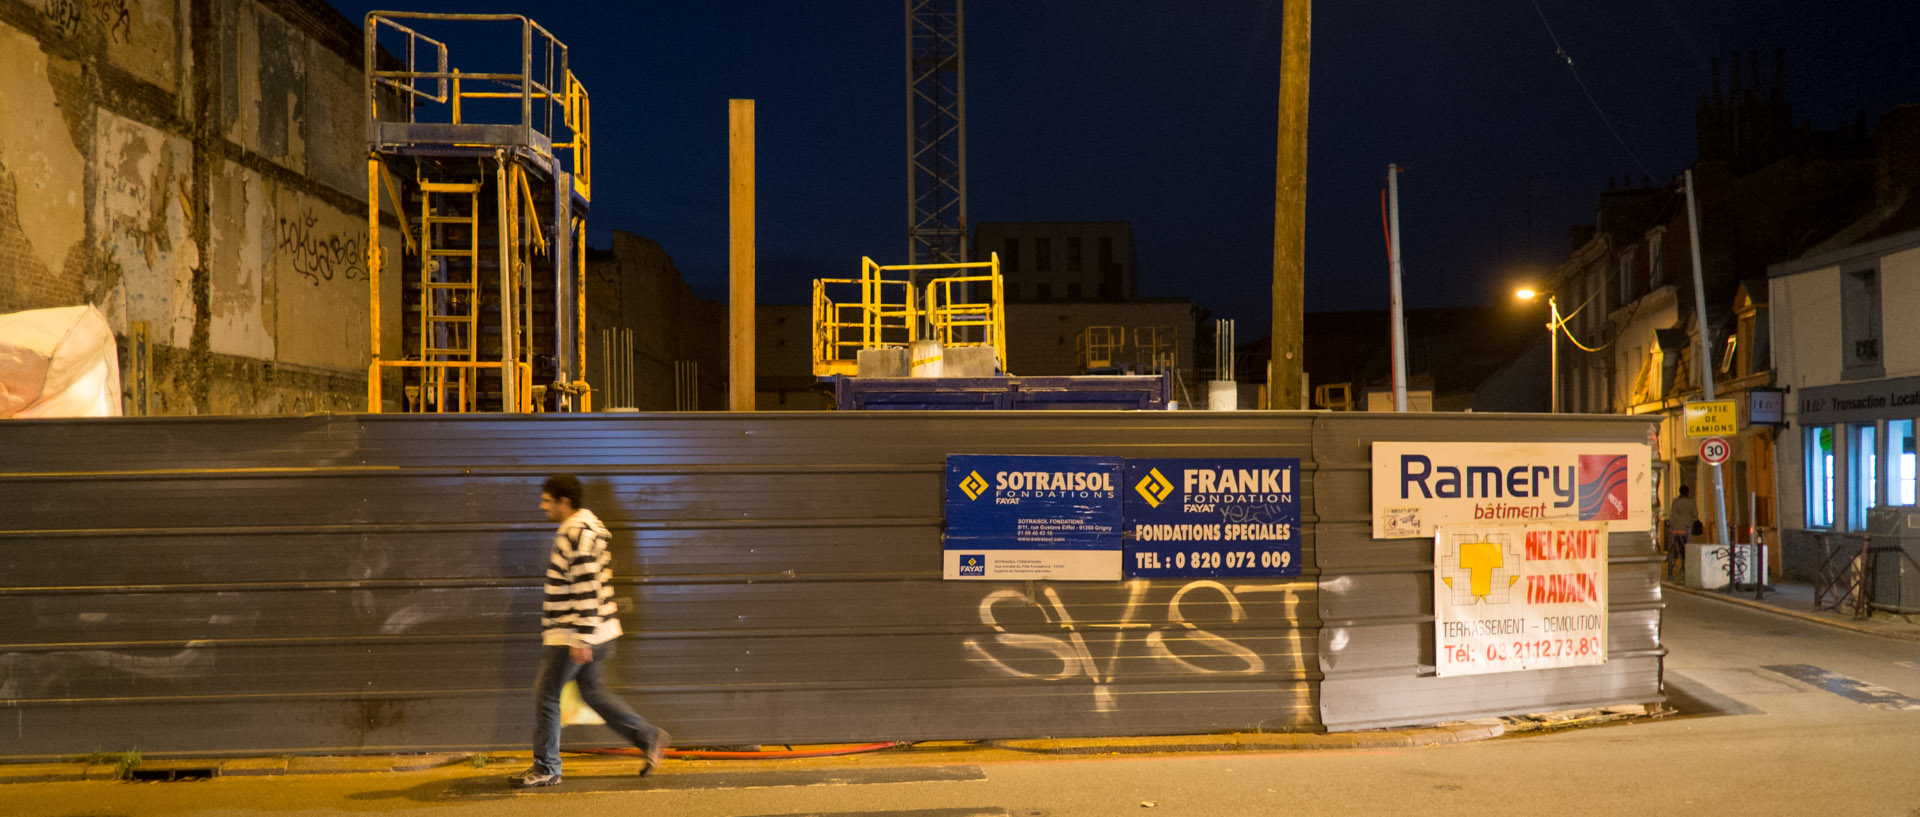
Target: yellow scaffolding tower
{"type": "Point", "coordinates": [499, 157]}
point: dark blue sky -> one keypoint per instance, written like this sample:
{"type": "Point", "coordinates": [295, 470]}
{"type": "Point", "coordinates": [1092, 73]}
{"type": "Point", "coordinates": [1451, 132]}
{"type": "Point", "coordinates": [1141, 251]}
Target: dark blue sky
{"type": "Point", "coordinates": [1162, 113]}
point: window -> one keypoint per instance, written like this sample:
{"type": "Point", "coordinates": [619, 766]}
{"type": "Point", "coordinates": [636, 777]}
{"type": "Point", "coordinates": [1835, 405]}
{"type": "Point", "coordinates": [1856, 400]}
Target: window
{"type": "Point", "coordinates": [1656, 265]}
{"type": "Point", "coordinates": [1073, 291]}
{"type": "Point", "coordinates": [1900, 462]}
{"type": "Point", "coordinates": [1043, 291]}
{"type": "Point", "coordinates": [1073, 254]}
{"type": "Point", "coordinates": [1727, 356]}
{"type": "Point", "coordinates": [1860, 324]}
{"type": "Point", "coordinates": [1043, 254]}
{"type": "Point", "coordinates": [1629, 275]}
{"type": "Point", "coordinates": [1861, 488]}
{"type": "Point", "coordinates": [1819, 476]}
{"type": "Point", "coordinates": [1106, 255]}
{"type": "Point", "coordinates": [1010, 255]}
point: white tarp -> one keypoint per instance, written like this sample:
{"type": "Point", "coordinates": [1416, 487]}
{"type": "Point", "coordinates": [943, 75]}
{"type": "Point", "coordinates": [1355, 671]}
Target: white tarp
{"type": "Point", "coordinates": [58, 363]}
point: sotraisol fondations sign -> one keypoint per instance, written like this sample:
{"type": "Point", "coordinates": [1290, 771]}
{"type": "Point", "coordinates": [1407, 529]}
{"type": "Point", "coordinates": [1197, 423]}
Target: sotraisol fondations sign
{"type": "Point", "coordinates": [1212, 517]}
{"type": "Point", "coordinates": [1103, 518]}
{"type": "Point", "coordinates": [1519, 597]}
{"type": "Point", "coordinates": [1418, 486]}
{"type": "Point", "coordinates": [1032, 517]}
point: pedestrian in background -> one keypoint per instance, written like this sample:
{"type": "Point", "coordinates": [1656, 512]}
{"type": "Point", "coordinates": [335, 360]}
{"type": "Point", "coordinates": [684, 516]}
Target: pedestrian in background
{"type": "Point", "coordinates": [1682, 523]}
{"type": "Point", "coordinates": [578, 628]}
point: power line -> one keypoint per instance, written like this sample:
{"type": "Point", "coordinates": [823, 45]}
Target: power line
{"type": "Point", "coordinates": [1568, 58]}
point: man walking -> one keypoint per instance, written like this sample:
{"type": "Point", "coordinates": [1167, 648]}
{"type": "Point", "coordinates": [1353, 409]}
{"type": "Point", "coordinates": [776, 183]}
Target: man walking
{"type": "Point", "coordinates": [578, 628]}
{"type": "Point", "coordinates": [1682, 519]}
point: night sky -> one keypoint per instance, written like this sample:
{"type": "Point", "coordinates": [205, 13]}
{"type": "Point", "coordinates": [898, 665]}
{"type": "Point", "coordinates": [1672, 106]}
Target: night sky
{"type": "Point", "coordinates": [1163, 114]}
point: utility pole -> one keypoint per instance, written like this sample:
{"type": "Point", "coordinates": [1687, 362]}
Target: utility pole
{"type": "Point", "coordinates": [741, 190]}
{"type": "Point", "coordinates": [1284, 387]}
{"type": "Point", "coordinates": [1399, 319]}
{"type": "Point", "coordinates": [1705, 354]}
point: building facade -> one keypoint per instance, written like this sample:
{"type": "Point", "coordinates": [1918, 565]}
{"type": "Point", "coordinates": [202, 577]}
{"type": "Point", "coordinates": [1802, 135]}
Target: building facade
{"type": "Point", "coordinates": [1852, 366]}
{"type": "Point", "coordinates": [1061, 260]}
{"type": "Point", "coordinates": [198, 172]}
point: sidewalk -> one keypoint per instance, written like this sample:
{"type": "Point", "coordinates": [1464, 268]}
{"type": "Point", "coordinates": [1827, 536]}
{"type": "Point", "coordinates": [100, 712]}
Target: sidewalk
{"type": "Point", "coordinates": [108, 768]}
{"type": "Point", "coordinates": [1795, 599]}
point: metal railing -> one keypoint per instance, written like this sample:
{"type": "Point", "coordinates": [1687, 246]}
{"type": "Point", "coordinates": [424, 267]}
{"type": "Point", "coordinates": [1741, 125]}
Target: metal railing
{"type": "Point", "coordinates": [554, 105]}
{"type": "Point", "coordinates": [1098, 347]}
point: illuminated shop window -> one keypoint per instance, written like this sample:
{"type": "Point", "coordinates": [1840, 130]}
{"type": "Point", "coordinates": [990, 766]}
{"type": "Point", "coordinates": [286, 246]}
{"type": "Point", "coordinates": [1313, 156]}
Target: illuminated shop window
{"type": "Point", "coordinates": [1819, 477]}
{"type": "Point", "coordinates": [1900, 462]}
{"type": "Point", "coordinates": [1861, 490]}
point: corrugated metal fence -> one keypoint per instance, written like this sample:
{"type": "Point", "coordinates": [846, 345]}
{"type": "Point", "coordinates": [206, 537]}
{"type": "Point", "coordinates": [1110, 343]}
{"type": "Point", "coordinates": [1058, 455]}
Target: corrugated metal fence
{"type": "Point", "coordinates": [372, 583]}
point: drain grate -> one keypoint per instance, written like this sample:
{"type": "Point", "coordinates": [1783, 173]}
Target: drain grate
{"type": "Point", "coordinates": [170, 774]}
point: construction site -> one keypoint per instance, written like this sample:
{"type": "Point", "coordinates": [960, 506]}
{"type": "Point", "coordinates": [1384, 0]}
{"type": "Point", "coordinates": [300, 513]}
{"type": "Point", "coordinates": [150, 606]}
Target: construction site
{"type": "Point", "coordinates": [354, 321]}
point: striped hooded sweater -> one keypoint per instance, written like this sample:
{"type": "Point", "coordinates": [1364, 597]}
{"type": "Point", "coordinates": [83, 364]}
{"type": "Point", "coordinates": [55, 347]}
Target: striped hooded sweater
{"type": "Point", "coordinates": [579, 610]}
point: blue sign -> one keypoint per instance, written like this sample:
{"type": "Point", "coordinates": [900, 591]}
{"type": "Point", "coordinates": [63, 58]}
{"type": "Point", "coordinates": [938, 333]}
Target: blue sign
{"type": "Point", "coordinates": [1033, 517]}
{"type": "Point", "coordinates": [1212, 517]}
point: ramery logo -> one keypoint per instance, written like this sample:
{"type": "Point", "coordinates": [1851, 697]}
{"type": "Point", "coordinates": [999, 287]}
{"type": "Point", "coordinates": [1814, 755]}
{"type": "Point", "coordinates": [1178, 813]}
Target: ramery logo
{"type": "Point", "coordinates": [974, 485]}
{"type": "Point", "coordinates": [1603, 486]}
{"type": "Point", "coordinates": [973, 564]}
{"type": "Point", "coordinates": [1154, 488]}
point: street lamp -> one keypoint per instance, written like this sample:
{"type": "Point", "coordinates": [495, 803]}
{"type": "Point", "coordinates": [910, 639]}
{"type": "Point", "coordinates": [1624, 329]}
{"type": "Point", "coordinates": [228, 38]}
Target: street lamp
{"type": "Point", "coordinates": [1553, 343]}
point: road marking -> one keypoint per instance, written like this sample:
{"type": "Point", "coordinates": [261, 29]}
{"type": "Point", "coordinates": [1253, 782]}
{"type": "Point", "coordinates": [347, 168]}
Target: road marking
{"type": "Point", "coordinates": [490, 787]}
{"type": "Point", "coordinates": [925, 812]}
{"type": "Point", "coordinates": [1853, 689]}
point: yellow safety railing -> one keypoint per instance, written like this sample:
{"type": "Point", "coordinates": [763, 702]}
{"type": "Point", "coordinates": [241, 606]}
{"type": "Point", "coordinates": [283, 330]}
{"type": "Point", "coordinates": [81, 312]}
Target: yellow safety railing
{"type": "Point", "coordinates": [886, 313]}
{"type": "Point", "coordinates": [1099, 347]}
{"type": "Point", "coordinates": [579, 119]}
{"type": "Point", "coordinates": [868, 320]}
{"type": "Point", "coordinates": [424, 87]}
{"type": "Point", "coordinates": [448, 376]}
{"type": "Point", "coordinates": [1155, 349]}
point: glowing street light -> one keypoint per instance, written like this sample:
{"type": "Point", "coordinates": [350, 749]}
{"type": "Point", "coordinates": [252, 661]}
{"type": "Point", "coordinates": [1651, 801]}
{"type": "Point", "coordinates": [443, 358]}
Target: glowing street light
{"type": "Point", "coordinates": [1553, 342]}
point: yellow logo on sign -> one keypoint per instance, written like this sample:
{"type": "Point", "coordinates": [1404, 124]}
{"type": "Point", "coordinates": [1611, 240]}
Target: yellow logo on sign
{"type": "Point", "coordinates": [1154, 487]}
{"type": "Point", "coordinates": [974, 485]}
{"type": "Point", "coordinates": [1712, 418]}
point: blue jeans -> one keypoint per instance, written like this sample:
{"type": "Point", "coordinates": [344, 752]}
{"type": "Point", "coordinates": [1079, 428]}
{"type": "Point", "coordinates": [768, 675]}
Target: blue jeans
{"type": "Point", "coordinates": [556, 669]}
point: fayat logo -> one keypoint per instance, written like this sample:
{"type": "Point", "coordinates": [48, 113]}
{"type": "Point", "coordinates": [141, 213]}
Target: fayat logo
{"type": "Point", "coordinates": [973, 564]}
{"type": "Point", "coordinates": [1594, 487]}
{"type": "Point", "coordinates": [974, 485]}
{"type": "Point", "coordinates": [1154, 488]}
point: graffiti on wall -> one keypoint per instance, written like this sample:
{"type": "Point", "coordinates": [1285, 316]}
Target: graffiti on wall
{"type": "Point", "coordinates": [113, 16]}
{"type": "Point", "coordinates": [319, 256]}
{"type": "Point", "coordinates": [1163, 638]}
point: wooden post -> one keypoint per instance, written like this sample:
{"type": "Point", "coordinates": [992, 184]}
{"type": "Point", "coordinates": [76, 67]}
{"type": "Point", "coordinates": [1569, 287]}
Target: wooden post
{"type": "Point", "coordinates": [1290, 209]}
{"type": "Point", "coordinates": [740, 186]}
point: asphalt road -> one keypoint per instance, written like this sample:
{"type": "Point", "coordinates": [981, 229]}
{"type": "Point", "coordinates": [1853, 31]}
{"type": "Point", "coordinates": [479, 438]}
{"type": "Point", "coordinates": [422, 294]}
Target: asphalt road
{"type": "Point", "coordinates": [1800, 720]}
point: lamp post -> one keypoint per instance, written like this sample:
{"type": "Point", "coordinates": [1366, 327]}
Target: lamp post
{"type": "Point", "coordinates": [1553, 345]}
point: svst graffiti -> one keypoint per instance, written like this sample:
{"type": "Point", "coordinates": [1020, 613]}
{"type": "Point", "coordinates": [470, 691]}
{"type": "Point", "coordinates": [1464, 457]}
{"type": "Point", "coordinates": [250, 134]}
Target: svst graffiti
{"type": "Point", "coordinates": [1169, 642]}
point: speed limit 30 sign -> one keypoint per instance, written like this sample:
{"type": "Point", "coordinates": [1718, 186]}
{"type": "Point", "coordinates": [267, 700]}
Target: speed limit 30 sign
{"type": "Point", "coordinates": [1715, 450]}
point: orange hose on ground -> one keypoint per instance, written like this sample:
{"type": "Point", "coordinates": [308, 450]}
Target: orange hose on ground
{"type": "Point", "coordinates": [700, 754]}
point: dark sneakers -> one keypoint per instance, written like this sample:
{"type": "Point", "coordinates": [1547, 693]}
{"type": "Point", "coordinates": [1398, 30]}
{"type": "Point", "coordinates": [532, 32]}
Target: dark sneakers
{"type": "Point", "coordinates": [533, 778]}
{"type": "Point", "coordinates": [655, 752]}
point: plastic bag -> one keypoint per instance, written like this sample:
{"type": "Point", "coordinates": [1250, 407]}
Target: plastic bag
{"type": "Point", "coordinates": [573, 710]}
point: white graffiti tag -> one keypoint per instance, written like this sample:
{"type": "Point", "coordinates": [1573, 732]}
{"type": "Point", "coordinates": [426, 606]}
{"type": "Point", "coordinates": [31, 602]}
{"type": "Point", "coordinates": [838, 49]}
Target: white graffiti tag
{"type": "Point", "coordinates": [1172, 642]}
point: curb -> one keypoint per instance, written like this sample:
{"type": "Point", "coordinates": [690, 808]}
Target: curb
{"type": "Point", "coordinates": [1815, 618]}
{"type": "Point", "coordinates": [1440, 735]}
{"type": "Point", "coordinates": [233, 767]}
{"type": "Point", "coordinates": [1443, 734]}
